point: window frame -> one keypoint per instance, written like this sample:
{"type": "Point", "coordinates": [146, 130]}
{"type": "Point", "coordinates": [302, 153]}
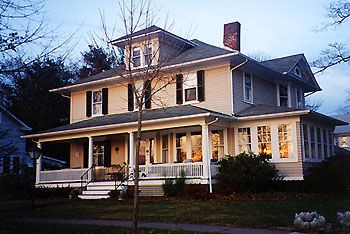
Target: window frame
{"type": "Point", "coordinates": [145, 62]}
{"type": "Point", "coordinates": [299, 91]}
{"type": "Point", "coordinates": [93, 103]}
{"type": "Point", "coordinates": [96, 155]}
{"type": "Point", "coordinates": [289, 140]}
{"type": "Point", "coordinates": [136, 48]}
{"type": "Point", "coordinates": [187, 86]}
{"type": "Point", "coordinates": [289, 104]}
{"type": "Point", "coordinates": [219, 145]}
{"type": "Point", "coordinates": [251, 88]}
{"type": "Point", "coordinates": [249, 141]}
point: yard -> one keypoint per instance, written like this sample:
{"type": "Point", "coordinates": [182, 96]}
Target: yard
{"type": "Point", "coordinates": [244, 213]}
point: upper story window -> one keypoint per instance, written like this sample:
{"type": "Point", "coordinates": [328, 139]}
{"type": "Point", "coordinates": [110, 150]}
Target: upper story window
{"type": "Point", "coordinates": [299, 98]}
{"type": "Point", "coordinates": [148, 51]}
{"type": "Point", "coordinates": [283, 95]}
{"type": "Point", "coordinates": [136, 56]}
{"type": "Point", "coordinates": [97, 102]}
{"type": "Point", "coordinates": [248, 87]}
{"type": "Point", "coordinates": [297, 71]}
{"type": "Point", "coordinates": [190, 88]}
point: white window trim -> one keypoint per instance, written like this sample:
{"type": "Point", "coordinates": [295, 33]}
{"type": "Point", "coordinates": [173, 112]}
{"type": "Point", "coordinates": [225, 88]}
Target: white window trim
{"type": "Point", "coordinates": [274, 139]}
{"type": "Point", "coordinates": [143, 63]}
{"type": "Point", "coordinates": [328, 141]}
{"type": "Point", "coordinates": [251, 139]}
{"type": "Point", "coordinates": [278, 95]}
{"type": "Point", "coordinates": [132, 57]}
{"type": "Point", "coordinates": [184, 89]}
{"type": "Point", "coordinates": [296, 97]}
{"type": "Point", "coordinates": [252, 88]}
{"type": "Point", "coordinates": [92, 103]}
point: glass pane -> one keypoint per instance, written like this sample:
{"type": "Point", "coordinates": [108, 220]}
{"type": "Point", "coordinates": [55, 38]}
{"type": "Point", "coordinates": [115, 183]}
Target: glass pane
{"type": "Point", "coordinates": [181, 147]}
{"type": "Point", "coordinates": [190, 94]}
{"type": "Point", "coordinates": [264, 141]}
{"type": "Point", "coordinates": [97, 108]}
{"type": "Point", "coordinates": [97, 96]}
{"type": "Point", "coordinates": [283, 90]}
{"type": "Point", "coordinates": [196, 146]}
{"type": "Point", "coordinates": [137, 61]}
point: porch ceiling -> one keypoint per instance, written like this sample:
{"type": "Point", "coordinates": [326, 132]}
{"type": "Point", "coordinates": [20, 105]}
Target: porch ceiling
{"type": "Point", "coordinates": [128, 120]}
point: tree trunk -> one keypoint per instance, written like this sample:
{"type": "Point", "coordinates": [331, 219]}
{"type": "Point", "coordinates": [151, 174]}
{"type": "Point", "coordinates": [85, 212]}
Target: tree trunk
{"type": "Point", "coordinates": [135, 217]}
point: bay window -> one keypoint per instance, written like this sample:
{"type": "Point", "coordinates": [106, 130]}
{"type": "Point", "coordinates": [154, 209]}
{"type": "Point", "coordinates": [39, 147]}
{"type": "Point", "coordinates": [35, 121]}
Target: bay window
{"type": "Point", "coordinates": [248, 87]}
{"type": "Point", "coordinates": [264, 141]}
{"type": "Point", "coordinates": [244, 140]}
{"type": "Point", "coordinates": [217, 142]}
{"type": "Point", "coordinates": [285, 141]}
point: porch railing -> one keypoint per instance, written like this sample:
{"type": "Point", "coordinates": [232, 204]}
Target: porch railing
{"type": "Point", "coordinates": [63, 175]}
{"type": "Point", "coordinates": [191, 170]}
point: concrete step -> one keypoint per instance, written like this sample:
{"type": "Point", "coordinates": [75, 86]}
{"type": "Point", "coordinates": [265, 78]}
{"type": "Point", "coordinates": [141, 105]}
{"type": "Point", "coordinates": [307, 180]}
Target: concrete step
{"type": "Point", "coordinates": [96, 192]}
{"type": "Point", "coordinates": [93, 196]}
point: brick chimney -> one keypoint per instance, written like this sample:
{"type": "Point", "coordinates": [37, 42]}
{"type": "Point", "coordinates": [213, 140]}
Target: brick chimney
{"type": "Point", "coordinates": [232, 35]}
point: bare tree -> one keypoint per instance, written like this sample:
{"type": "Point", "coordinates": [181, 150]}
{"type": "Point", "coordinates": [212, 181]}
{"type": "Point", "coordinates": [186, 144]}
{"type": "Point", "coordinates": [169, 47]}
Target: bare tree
{"type": "Point", "coordinates": [313, 104]}
{"type": "Point", "coordinates": [146, 81]}
{"type": "Point", "coordinates": [259, 56]}
{"type": "Point", "coordinates": [339, 13]}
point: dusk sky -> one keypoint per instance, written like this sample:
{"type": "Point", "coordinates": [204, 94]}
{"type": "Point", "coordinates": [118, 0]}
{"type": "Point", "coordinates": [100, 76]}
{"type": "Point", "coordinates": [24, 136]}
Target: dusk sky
{"type": "Point", "coordinates": [273, 28]}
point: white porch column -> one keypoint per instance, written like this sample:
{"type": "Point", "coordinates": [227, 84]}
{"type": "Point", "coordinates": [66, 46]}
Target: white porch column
{"type": "Point", "coordinates": [90, 157]}
{"type": "Point", "coordinates": [131, 152]}
{"type": "Point", "coordinates": [205, 151]}
{"type": "Point", "coordinates": [38, 166]}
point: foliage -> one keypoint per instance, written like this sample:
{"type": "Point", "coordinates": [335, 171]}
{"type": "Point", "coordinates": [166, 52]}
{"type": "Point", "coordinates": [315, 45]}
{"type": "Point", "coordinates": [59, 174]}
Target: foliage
{"type": "Point", "coordinates": [17, 186]}
{"type": "Point", "coordinates": [54, 192]}
{"type": "Point", "coordinates": [330, 177]}
{"type": "Point", "coordinates": [175, 187]}
{"type": "Point", "coordinates": [309, 220]}
{"type": "Point", "coordinates": [344, 218]}
{"type": "Point", "coordinates": [196, 191]}
{"type": "Point", "coordinates": [247, 173]}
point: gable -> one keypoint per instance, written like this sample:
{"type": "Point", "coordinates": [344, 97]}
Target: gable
{"type": "Point", "coordinates": [6, 116]}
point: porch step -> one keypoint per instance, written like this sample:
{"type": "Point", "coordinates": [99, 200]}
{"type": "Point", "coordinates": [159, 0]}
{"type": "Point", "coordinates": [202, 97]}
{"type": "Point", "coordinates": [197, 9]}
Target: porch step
{"type": "Point", "coordinates": [100, 190]}
{"type": "Point", "coordinates": [93, 196]}
{"type": "Point", "coordinates": [151, 191]}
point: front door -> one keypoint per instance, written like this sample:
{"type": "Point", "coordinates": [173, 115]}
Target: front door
{"type": "Point", "coordinates": [147, 149]}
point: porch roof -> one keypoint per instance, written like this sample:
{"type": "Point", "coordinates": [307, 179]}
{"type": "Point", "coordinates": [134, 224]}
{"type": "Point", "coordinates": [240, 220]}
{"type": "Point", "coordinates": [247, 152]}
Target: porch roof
{"type": "Point", "coordinates": [167, 113]}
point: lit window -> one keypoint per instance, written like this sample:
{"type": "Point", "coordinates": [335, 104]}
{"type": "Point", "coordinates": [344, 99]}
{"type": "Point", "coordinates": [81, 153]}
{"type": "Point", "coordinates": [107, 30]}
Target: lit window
{"type": "Point", "coordinates": [148, 51]}
{"type": "Point", "coordinates": [283, 95]}
{"type": "Point", "coordinates": [136, 57]}
{"type": "Point", "coordinates": [97, 102]}
{"type": "Point", "coordinates": [98, 153]}
{"type": "Point", "coordinates": [217, 141]}
{"type": "Point", "coordinates": [181, 147]}
{"type": "Point", "coordinates": [299, 98]}
{"type": "Point", "coordinates": [285, 141]}
{"type": "Point", "coordinates": [190, 87]}
{"type": "Point", "coordinates": [165, 149]}
{"type": "Point", "coordinates": [196, 146]}
{"type": "Point", "coordinates": [248, 87]}
{"type": "Point", "coordinates": [343, 141]}
{"type": "Point", "coordinates": [244, 140]}
{"type": "Point", "coordinates": [264, 141]}
{"type": "Point", "coordinates": [306, 141]}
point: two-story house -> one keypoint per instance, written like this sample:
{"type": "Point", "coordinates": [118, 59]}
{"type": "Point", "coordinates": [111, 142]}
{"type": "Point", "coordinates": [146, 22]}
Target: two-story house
{"type": "Point", "coordinates": [222, 103]}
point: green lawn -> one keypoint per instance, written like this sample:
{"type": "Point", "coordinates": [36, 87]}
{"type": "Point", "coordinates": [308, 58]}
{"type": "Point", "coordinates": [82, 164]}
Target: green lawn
{"type": "Point", "coordinates": [265, 213]}
{"type": "Point", "coordinates": [29, 228]}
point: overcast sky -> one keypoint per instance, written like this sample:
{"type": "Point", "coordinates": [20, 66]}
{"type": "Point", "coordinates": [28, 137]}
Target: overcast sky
{"type": "Point", "coordinates": [273, 28]}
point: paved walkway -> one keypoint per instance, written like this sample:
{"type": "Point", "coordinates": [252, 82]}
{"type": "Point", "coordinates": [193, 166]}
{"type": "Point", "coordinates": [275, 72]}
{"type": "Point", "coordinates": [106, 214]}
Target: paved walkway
{"type": "Point", "coordinates": [175, 226]}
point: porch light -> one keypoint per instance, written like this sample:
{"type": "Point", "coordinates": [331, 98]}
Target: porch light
{"type": "Point", "coordinates": [34, 153]}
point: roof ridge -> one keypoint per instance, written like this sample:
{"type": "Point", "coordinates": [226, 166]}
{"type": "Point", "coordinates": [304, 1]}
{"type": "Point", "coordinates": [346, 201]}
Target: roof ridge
{"type": "Point", "coordinates": [284, 57]}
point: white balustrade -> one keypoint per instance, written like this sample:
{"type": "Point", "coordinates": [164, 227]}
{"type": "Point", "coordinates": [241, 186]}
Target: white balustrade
{"type": "Point", "coordinates": [190, 170]}
{"type": "Point", "coordinates": [64, 175]}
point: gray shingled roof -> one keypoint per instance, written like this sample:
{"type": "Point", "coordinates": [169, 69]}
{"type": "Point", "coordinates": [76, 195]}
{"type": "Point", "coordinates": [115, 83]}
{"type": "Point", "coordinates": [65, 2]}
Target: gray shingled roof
{"type": "Point", "coordinates": [264, 110]}
{"type": "Point", "coordinates": [345, 128]}
{"type": "Point", "coordinates": [150, 29]}
{"type": "Point", "coordinates": [201, 51]}
{"type": "Point", "coordinates": [131, 117]}
{"type": "Point", "coordinates": [283, 64]}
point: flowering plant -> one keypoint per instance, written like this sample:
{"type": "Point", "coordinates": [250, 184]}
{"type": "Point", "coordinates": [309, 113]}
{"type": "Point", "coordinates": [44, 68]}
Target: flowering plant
{"type": "Point", "coordinates": [309, 220]}
{"type": "Point", "coordinates": [344, 218]}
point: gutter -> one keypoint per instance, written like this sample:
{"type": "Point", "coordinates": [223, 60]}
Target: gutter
{"type": "Point", "coordinates": [166, 67]}
{"type": "Point", "coordinates": [275, 115]}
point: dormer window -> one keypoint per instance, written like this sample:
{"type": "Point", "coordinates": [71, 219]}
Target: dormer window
{"type": "Point", "coordinates": [136, 57]}
{"type": "Point", "coordinates": [97, 102]}
{"type": "Point", "coordinates": [297, 71]}
{"type": "Point", "coordinates": [148, 51]}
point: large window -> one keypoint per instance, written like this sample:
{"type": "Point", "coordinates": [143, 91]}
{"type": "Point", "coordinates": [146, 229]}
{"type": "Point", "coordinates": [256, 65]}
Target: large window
{"type": "Point", "coordinates": [285, 141]}
{"type": "Point", "coordinates": [283, 95]}
{"type": "Point", "coordinates": [196, 146]}
{"type": "Point", "coordinates": [244, 140]}
{"type": "Point", "coordinates": [217, 141]}
{"type": "Point", "coordinates": [248, 87]}
{"type": "Point", "coordinates": [165, 149]}
{"type": "Point", "coordinates": [136, 57]}
{"type": "Point", "coordinates": [264, 141]}
{"type": "Point", "coordinates": [97, 102]}
{"type": "Point", "coordinates": [190, 87]}
{"type": "Point", "coordinates": [98, 153]}
{"type": "Point", "coordinates": [181, 147]}
{"type": "Point", "coordinates": [306, 141]}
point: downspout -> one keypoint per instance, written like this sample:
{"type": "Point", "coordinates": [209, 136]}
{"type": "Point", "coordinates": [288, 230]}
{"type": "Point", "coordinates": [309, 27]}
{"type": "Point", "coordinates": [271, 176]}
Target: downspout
{"type": "Point", "coordinates": [234, 68]}
{"type": "Point", "coordinates": [209, 160]}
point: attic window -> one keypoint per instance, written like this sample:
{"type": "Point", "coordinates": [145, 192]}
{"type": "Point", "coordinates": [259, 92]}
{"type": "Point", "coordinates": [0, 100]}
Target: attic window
{"type": "Point", "coordinates": [297, 71]}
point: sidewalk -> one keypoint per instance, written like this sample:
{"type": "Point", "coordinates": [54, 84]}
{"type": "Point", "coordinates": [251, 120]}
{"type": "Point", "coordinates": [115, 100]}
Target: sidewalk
{"type": "Point", "coordinates": [171, 226]}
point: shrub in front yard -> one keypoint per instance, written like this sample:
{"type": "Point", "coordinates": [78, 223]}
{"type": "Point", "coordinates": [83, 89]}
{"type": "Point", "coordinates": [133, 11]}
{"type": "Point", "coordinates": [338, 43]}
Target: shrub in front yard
{"type": "Point", "coordinates": [247, 173]}
{"type": "Point", "coordinates": [330, 177]}
{"type": "Point", "coordinates": [175, 187]}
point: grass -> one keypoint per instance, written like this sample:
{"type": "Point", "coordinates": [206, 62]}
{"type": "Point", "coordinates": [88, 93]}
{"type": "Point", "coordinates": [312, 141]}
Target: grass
{"type": "Point", "coordinates": [28, 228]}
{"type": "Point", "coordinates": [248, 213]}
